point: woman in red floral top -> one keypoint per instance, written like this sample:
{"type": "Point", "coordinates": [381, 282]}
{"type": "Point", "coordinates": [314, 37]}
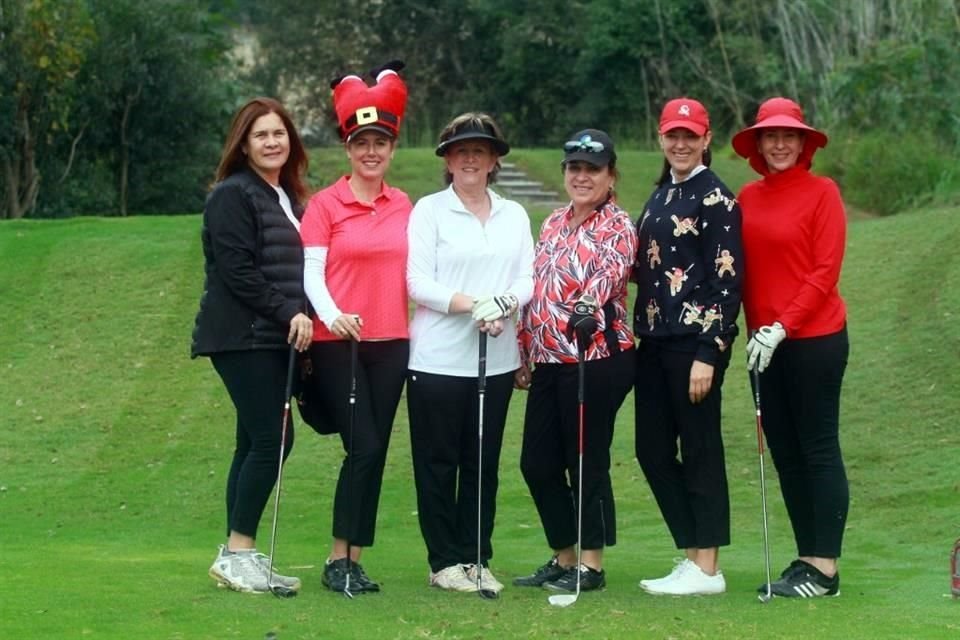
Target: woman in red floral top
{"type": "Point", "coordinates": [584, 255]}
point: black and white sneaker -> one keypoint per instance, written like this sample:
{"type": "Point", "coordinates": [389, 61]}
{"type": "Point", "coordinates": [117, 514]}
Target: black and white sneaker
{"type": "Point", "coordinates": [803, 580]}
{"type": "Point", "coordinates": [549, 571]}
{"type": "Point", "coordinates": [590, 579]}
{"type": "Point", "coordinates": [796, 565]}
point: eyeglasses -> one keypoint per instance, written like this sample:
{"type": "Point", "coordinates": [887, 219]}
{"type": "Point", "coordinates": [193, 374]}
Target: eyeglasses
{"type": "Point", "coordinates": [583, 144]}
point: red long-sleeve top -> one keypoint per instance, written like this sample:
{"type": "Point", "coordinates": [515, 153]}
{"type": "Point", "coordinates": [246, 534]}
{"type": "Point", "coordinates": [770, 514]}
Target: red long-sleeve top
{"type": "Point", "coordinates": [794, 234]}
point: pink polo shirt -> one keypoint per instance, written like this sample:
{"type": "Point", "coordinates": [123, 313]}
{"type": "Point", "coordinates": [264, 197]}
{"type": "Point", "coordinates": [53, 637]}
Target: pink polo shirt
{"type": "Point", "coordinates": [366, 256]}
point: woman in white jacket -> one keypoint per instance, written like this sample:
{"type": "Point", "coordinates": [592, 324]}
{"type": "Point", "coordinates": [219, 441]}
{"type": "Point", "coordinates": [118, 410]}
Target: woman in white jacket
{"type": "Point", "coordinates": [469, 269]}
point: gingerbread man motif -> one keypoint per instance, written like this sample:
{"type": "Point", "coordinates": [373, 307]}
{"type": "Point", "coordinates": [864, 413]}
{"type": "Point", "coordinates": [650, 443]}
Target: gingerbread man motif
{"type": "Point", "coordinates": [684, 225]}
{"type": "Point", "coordinates": [692, 314]}
{"type": "Point", "coordinates": [653, 311]}
{"type": "Point", "coordinates": [712, 315]}
{"type": "Point", "coordinates": [653, 253]}
{"type": "Point", "coordinates": [724, 262]}
{"type": "Point", "coordinates": [716, 197]}
{"type": "Point", "coordinates": [676, 277]}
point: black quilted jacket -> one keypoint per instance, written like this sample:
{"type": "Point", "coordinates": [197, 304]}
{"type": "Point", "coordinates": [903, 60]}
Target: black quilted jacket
{"type": "Point", "coordinates": [253, 261]}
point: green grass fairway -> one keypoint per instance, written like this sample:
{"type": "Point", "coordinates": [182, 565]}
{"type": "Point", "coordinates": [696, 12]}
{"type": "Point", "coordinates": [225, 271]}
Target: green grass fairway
{"type": "Point", "coordinates": [114, 448]}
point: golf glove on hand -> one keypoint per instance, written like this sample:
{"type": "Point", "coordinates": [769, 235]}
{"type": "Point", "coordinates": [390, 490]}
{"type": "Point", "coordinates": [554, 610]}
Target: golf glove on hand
{"type": "Point", "coordinates": [582, 320]}
{"type": "Point", "coordinates": [490, 308]}
{"type": "Point", "coordinates": [762, 345]}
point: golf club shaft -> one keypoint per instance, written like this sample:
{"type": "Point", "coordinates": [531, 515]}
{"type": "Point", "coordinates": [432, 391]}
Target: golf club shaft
{"type": "Point", "coordinates": [763, 482]}
{"type": "Point", "coordinates": [354, 357]}
{"type": "Point", "coordinates": [581, 383]}
{"type": "Point", "coordinates": [481, 392]}
{"type": "Point", "coordinates": [288, 390]}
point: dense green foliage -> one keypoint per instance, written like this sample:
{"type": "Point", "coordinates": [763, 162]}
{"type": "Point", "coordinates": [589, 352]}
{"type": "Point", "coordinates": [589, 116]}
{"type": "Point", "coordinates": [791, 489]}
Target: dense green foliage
{"type": "Point", "coordinates": [121, 106]}
{"type": "Point", "coordinates": [115, 446]}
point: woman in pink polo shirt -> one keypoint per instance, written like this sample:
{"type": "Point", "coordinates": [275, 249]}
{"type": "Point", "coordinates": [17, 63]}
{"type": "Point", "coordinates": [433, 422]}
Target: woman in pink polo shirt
{"type": "Point", "coordinates": [355, 250]}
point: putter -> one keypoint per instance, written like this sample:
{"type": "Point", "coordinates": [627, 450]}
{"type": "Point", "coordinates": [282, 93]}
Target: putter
{"type": "Point", "coordinates": [567, 599]}
{"type": "Point", "coordinates": [276, 589]}
{"type": "Point", "coordinates": [353, 418]}
{"type": "Point", "coordinates": [768, 596]}
{"type": "Point", "coordinates": [487, 594]}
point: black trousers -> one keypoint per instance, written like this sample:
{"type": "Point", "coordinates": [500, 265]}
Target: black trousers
{"type": "Point", "coordinates": [800, 402]}
{"type": "Point", "coordinates": [256, 381]}
{"type": "Point", "coordinates": [549, 457]}
{"type": "Point", "coordinates": [444, 443]}
{"type": "Point", "coordinates": [690, 488]}
{"type": "Point", "coordinates": [381, 369]}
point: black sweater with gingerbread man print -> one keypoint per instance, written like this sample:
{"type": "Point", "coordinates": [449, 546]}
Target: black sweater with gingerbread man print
{"type": "Point", "coordinates": [689, 267]}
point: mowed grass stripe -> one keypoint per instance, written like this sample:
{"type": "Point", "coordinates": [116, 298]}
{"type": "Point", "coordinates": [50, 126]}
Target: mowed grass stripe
{"type": "Point", "coordinates": [113, 540]}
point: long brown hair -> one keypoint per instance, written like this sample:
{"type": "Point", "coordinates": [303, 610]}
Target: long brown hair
{"type": "Point", "coordinates": [232, 160]}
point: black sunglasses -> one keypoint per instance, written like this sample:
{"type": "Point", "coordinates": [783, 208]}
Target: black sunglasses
{"type": "Point", "coordinates": [590, 146]}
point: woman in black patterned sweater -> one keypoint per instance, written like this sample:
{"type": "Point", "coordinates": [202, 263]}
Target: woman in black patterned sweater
{"type": "Point", "coordinates": [688, 274]}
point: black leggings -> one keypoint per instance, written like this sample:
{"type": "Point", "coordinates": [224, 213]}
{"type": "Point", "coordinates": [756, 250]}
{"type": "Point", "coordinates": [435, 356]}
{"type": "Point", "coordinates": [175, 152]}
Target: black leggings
{"type": "Point", "coordinates": [800, 402]}
{"type": "Point", "coordinates": [256, 381]}
{"type": "Point", "coordinates": [381, 370]}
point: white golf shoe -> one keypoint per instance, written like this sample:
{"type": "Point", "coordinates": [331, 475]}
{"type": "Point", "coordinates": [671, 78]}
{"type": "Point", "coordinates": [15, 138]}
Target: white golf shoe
{"type": "Point", "coordinates": [678, 569]}
{"type": "Point", "coordinates": [488, 581]}
{"type": "Point", "coordinates": [240, 571]}
{"type": "Point", "coordinates": [288, 582]}
{"type": "Point", "coordinates": [692, 581]}
{"type": "Point", "coordinates": [453, 578]}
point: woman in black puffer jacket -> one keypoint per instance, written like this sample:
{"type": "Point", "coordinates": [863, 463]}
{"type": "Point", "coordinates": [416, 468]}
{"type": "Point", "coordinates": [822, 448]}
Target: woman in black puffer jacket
{"type": "Point", "coordinates": [251, 313]}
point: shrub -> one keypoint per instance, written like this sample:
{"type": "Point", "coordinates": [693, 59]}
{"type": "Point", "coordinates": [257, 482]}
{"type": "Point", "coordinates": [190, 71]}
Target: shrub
{"type": "Point", "coordinates": [884, 173]}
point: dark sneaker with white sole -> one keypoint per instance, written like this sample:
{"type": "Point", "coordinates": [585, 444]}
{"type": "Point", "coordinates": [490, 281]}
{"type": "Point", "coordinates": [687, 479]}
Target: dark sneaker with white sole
{"type": "Point", "coordinates": [803, 580]}
{"type": "Point", "coordinates": [589, 579]}
{"type": "Point", "coordinates": [335, 577]}
{"type": "Point", "coordinates": [794, 566]}
{"type": "Point", "coordinates": [550, 571]}
{"type": "Point", "coordinates": [360, 582]}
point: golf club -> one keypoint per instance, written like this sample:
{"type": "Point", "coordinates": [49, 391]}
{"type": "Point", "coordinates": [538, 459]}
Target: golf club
{"type": "Point", "coordinates": [276, 589]}
{"type": "Point", "coordinates": [567, 599]}
{"type": "Point", "coordinates": [481, 391]}
{"type": "Point", "coordinates": [768, 596]}
{"type": "Point", "coordinates": [354, 345]}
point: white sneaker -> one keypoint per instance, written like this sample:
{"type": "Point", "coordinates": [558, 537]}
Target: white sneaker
{"type": "Point", "coordinates": [678, 569]}
{"type": "Point", "coordinates": [453, 578]}
{"type": "Point", "coordinates": [239, 571]}
{"type": "Point", "coordinates": [289, 582]}
{"type": "Point", "coordinates": [692, 581]}
{"type": "Point", "coordinates": [488, 581]}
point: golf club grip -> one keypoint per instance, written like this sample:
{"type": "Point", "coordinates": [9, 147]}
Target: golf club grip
{"type": "Point", "coordinates": [482, 362]}
{"type": "Point", "coordinates": [291, 361]}
{"type": "Point", "coordinates": [755, 375]}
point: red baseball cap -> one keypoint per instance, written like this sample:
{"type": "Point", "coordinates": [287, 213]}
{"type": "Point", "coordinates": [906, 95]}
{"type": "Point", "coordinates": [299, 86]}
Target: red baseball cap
{"type": "Point", "coordinates": [684, 113]}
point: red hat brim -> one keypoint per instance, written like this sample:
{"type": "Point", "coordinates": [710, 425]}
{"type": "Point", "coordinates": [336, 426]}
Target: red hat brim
{"type": "Point", "coordinates": [745, 141]}
{"type": "Point", "coordinates": [685, 123]}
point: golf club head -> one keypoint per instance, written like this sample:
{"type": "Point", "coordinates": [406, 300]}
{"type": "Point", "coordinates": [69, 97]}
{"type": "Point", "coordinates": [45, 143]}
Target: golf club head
{"type": "Point", "coordinates": [488, 594]}
{"type": "Point", "coordinates": [766, 597]}
{"type": "Point", "coordinates": [562, 599]}
{"type": "Point", "coordinates": [281, 591]}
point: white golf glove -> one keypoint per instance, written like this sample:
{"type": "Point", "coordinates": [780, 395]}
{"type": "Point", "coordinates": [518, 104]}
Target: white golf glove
{"type": "Point", "coordinates": [761, 346]}
{"type": "Point", "coordinates": [490, 308]}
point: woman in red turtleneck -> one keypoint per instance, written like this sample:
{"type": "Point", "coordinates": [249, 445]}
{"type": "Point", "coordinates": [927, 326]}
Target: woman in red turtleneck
{"type": "Point", "coordinates": [794, 230]}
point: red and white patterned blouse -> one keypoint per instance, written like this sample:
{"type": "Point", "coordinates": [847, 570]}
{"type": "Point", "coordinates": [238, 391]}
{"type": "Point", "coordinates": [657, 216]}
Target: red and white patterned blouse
{"type": "Point", "coordinates": [595, 258]}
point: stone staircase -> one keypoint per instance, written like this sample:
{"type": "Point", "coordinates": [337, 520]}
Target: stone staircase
{"type": "Point", "coordinates": [513, 183]}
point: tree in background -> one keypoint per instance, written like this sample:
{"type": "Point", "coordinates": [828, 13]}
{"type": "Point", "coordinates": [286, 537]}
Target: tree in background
{"type": "Point", "coordinates": [43, 44]}
{"type": "Point", "coordinates": [117, 106]}
{"type": "Point", "coordinates": [156, 100]}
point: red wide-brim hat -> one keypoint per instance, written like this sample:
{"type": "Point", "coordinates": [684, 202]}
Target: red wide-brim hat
{"type": "Point", "coordinates": [773, 114]}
